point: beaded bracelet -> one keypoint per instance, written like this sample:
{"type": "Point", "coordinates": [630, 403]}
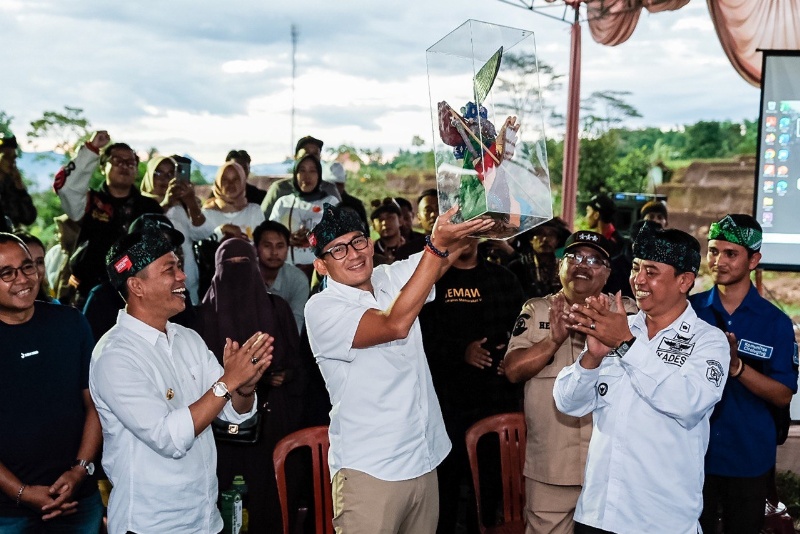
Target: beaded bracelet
{"type": "Point", "coordinates": [429, 246]}
{"type": "Point", "coordinates": [249, 394]}
{"type": "Point", "coordinates": [19, 493]}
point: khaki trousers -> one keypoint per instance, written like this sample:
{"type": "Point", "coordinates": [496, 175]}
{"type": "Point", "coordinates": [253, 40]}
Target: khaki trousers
{"type": "Point", "coordinates": [363, 504]}
{"type": "Point", "coordinates": [549, 508]}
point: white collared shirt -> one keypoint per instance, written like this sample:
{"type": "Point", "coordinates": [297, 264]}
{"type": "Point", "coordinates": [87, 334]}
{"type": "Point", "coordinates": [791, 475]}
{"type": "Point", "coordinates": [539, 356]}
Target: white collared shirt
{"type": "Point", "coordinates": [385, 419]}
{"type": "Point", "coordinates": [142, 382]}
{"type": "Point", "coordinates": [650, 413]}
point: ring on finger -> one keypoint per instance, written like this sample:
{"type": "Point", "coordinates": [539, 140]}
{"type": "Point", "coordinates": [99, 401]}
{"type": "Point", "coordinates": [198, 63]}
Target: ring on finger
{"type": "Point", "coordinates": [593, 326]}
{"type": "Point", "coordinates": [254, 360]}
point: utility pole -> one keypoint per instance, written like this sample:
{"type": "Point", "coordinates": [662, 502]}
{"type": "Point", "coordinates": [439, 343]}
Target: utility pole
{"type": "Point", "coordinates": [294, 75]}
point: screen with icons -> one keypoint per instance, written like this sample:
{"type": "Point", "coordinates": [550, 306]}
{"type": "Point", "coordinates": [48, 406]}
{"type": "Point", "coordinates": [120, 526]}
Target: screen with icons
{"type": "Point", "coordinates": [777, 190]}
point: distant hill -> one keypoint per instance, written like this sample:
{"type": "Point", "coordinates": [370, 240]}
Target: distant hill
{"type": "Point", "coordinates": [40, 167]}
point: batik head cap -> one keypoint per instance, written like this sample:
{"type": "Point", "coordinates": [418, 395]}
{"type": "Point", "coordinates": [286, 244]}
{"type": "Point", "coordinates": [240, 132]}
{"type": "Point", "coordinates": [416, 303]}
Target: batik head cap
{"type": "Point", "coordinates": [336, 222]}
{"type": "Point", "coordinates": [670, 246]}
{"type": "Point", "coordinates": [158, 222]}
{"type": "Point", "coordinates": [739, 229]}
{"type": "Point", "coordinates": [132, 253]}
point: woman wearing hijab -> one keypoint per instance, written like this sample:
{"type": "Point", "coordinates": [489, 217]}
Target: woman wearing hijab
{"type": "Point", "coordinates": [237, 303]}
{"type": "Point", "coordinates": [302, 210]}
{"type": "Point", "coordinates": [155, 182]}
{"type": "Point", "coordinates": [181, 206]}
{"type": "Point", "coordinates": [228, 210]}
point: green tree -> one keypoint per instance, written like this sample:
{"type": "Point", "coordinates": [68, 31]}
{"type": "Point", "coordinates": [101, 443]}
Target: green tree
{"type": "Point", "coordinates": [603, 110]}
{"type": "Point", "coordinates": [596, 163]}
{"type": "Point", "coordinates": [629, 173]}
{"type": "Point", "coordinates": [68, 130]}
{"type": "Point", "coordinates": [5, 124]}
{"type": "Point", "coordinates": [525, 82]}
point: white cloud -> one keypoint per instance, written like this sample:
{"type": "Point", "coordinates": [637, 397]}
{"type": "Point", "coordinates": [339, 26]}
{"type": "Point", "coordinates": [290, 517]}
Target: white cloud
{"type": "Point", "coordinates": [203, 77]}
{"type": "Point", "coordinates": [246, 66]}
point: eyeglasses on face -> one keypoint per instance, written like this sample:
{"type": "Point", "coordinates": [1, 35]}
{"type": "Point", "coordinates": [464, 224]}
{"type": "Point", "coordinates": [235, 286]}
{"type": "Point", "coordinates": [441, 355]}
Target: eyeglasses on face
{"type": "Point", "coordinates": [339, 251]}
{"type": "Point", "coordinates": [594, 262]}
{"type": "Point", "coordinates": [9, 274]}
{"type": "Point", "coordinates": [117, 161]}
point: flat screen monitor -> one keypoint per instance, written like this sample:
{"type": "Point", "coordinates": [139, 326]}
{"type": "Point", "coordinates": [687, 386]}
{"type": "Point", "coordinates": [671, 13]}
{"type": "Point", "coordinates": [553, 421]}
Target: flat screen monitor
{"type": "Point", "coordinates": [777, 188]}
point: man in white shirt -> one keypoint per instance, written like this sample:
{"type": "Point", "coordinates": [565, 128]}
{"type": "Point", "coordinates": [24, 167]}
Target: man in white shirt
{"type": "Point", "coordinates": [157, 388]}
{"type": "Point", "coordinates": [387, 434]}
{"type": "Point", "coordinates": [650, 382]}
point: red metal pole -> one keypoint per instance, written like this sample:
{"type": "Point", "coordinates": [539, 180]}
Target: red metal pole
{"type": "Point", "coordinates": [569, 183]}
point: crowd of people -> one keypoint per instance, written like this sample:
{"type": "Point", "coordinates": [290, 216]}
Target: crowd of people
{"type": "Point", "coordinates": [168, 342]}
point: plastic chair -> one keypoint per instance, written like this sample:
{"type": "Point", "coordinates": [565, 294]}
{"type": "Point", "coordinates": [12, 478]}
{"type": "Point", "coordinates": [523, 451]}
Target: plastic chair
{"type": "Point", "coordinates": [316, 438]}
{"type": "Point", "coordinates": [510, 428]}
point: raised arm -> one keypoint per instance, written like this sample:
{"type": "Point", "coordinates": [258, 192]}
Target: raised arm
{"type": "Point", "coordinates": [72, 180]}
{"type": "Point", "coordinates": [382, 326]}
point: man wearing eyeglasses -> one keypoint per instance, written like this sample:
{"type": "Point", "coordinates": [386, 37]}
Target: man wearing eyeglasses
{"type": "Point", "coordinates": [386, 432]}
{"type": "Point", "coordinates": [540, 346]}
{"type": "Point", "coordinates": [104, 213]}
{"type": "Point", "coordinates": [650, 382]}
{"type": "Point", "coordinates": [51, 432]}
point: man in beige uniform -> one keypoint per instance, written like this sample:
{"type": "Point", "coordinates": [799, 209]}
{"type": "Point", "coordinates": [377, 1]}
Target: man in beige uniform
{"type": "Point", "coordinates": [540, 346]}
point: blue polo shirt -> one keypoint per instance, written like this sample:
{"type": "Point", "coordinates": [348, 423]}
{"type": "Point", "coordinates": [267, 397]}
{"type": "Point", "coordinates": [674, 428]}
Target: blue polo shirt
{"type": "Point", "coordinates": [742, 442]}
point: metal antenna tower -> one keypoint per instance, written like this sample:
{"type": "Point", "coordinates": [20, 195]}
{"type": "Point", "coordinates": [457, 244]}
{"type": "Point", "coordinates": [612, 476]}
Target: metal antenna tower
{"type": "Point", "coordinates": [295, 33]}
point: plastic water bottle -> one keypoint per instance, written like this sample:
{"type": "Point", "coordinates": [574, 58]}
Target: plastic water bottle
{"type": "Point", "coordinates": [231, 508]}
{"type": "Point", "coordinates": [240, 486]}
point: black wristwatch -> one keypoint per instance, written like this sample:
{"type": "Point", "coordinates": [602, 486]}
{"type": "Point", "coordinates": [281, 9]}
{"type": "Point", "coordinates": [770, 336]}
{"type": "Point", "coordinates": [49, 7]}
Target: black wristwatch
{"type": "Point", "coordinates": [624, 347]}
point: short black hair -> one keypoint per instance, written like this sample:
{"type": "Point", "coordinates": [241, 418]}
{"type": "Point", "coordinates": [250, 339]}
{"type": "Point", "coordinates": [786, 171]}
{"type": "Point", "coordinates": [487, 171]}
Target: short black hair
{"type": "Point", "coordinates": [604, 206]}
{"type": "Point", "coordinates": [404, 203]}
{"type": "Point", "coordinates": [654, 206]}
{"type": "Point", "coordinates": [305, 140]}
{"type": "Point", "coordinates": [270, 226]}
{"type": "Point", "coordinates": [27, 239]}
{"type": "Point", "coordinates": [427, 193]}
{"type": "Point", "coordinates": [5, 237]}
{"type": "Point", "coordinates": [106, 155]}
{"type": "Point", "coordinates": [238, 154]}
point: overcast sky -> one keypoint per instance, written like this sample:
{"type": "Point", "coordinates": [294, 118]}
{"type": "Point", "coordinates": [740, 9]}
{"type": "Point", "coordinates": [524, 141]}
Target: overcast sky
{"type": "Point", "coordinates": [204, 77]}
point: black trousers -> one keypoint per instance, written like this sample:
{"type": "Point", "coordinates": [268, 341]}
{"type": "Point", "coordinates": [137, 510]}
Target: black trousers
{"type": "Point", "coordinates": [580, 528]}
{"type": "Point", "coordinates": [741, 501]}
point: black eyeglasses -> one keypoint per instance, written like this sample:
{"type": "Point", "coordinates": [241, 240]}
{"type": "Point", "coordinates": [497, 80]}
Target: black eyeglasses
{"type": "Point", "coordinates": [117, 161]}
{"type": "Point", "coordinates": [590, 261]}
{"type": "Point", "coordinates": [9, 274]}
{"type": "Point", "coordinates": [339, 251]}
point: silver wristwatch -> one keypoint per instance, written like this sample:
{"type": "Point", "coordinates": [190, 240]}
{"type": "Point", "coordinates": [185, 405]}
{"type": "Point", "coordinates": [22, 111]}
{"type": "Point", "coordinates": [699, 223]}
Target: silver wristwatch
{"type": "Point", "coordinates": [87, 465]}
{"type": "Point", "coordinates": [220, 389]}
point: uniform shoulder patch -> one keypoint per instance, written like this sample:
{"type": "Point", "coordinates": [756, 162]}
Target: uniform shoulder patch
{"type": "Point", "coordinates": [521, 325]}
{"type": "Point", "coordinates": [714, 372]}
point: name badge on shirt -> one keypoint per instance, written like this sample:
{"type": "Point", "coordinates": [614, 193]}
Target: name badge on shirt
{"type": "Point", "coordinates": [755, 350]}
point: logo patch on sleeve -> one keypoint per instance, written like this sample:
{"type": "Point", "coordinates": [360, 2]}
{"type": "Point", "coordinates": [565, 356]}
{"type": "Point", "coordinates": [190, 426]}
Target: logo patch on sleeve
{"type": "Point", "coordinates": [755, 350]}
{"type": "Point", "coordinates": [714, 372]}
{"type": "Point", "coordinates": [521, 325]}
